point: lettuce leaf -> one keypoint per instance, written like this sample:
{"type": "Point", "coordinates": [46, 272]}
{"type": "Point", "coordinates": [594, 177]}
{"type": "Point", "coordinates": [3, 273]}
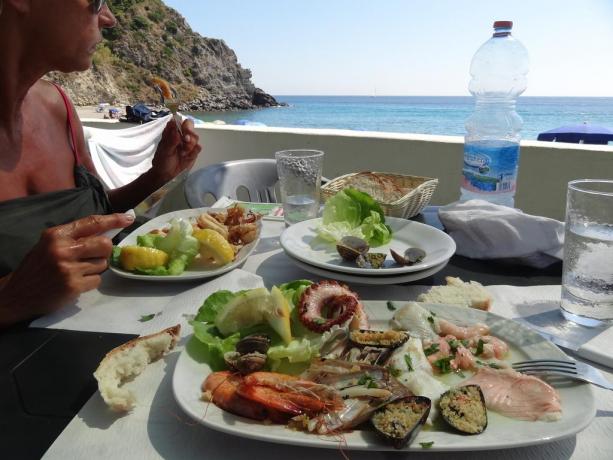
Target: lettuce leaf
{"type": "Point", "coordinates": [148, 240]}
{"type": "Point", "coordinates": [354, 213]}
{"type": "Point", "coordinates": [366, 203]}
{"type": "Point", "coordinates": [293, 291]}
{"type": "Point", "coordinates": [375, 231]}
{"type": "Point", "coordinates": [214, 345]}
{"type": "Point", "coordinates": [115, 257]}
{"type": "Point", "coordinates": [179, 244]}
{"type": "Point", "coordinates": [214, 304]}
{"type": "Point", "coordinates": [342, 208]}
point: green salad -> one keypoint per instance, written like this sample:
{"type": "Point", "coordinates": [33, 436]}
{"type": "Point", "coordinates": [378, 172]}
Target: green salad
{"type": "Point", "coordinates": [225, 317]}
{"type": "Point", "coordinates": [354, 213]}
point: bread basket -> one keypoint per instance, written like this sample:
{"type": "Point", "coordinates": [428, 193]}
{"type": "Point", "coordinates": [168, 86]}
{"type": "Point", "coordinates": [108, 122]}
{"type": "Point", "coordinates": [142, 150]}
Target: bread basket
{"type": "Point", "coordinates": [420, 190]}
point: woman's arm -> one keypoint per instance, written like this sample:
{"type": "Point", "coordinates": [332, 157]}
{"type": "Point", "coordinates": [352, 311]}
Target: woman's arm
{"type": "Point", "coordinates": [66, 262]}
{"type": "Point", "coordinates": [172, 156]}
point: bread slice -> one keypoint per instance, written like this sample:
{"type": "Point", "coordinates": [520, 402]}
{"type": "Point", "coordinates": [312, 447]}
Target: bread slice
{"type": "Point", "coordinates": [127, 361]}
{"type": "Point", "coordinates": [377, 186]}
{"type": "Point", "coordinates": [457, 292]}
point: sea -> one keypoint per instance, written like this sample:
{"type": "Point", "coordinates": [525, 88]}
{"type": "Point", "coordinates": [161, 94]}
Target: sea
{"type": "Point", "coordinates": [443, 115]}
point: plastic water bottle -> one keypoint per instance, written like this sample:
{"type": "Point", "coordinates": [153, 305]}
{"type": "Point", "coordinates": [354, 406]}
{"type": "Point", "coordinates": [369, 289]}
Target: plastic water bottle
{"type": "Point", "coordinates": [491, 145]}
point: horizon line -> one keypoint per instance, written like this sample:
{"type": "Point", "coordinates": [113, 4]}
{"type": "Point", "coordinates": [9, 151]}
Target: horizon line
{"type": "Point", "coordinates": [425, 95]}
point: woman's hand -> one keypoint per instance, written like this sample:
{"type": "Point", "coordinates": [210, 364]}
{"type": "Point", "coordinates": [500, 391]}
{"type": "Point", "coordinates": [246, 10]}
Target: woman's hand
{"type": "Point", "coordinates": [174, 154]}
{"type": "Point", "coordinates": [66, 262]}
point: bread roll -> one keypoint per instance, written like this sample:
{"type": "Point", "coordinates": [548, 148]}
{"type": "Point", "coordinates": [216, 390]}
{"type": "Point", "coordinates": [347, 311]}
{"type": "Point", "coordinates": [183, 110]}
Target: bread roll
{"type": "Point", "coordinates": [379, 187]}
{"type": "Point", "coordinates": [127, 361]}
{"type": "Point", "coordinates": [457, 292]}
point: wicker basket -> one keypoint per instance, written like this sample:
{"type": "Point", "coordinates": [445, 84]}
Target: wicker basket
{"type": "Point", "coordinates": [411, 204]}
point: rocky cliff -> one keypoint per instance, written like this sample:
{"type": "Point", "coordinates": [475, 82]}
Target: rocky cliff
{"type": "Point", "coordinates": [151, 39]}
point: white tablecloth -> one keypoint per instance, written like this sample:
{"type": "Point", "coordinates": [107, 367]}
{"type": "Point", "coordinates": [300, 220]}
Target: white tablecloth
{"type": "Point", "coordinates": [158, 428]}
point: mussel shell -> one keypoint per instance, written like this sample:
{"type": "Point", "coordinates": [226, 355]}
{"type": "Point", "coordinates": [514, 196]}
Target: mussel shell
{"type": "Point", "coordinates": [464, 409]}
{"type": "Point", "coordinates": [371, 260]}
{"type": "Point", "coordinates": [253, 343]}
{"type": "Point", "coordinates": [399, 422]}
{"type": "Point", "coordinates": [351, 247]}
{"type": "Point", "coordinates": [245, 364]}
{"type": "Point", "coordinates": [411, 256]}
{"type": "Point", "coordinates": [383, 339]}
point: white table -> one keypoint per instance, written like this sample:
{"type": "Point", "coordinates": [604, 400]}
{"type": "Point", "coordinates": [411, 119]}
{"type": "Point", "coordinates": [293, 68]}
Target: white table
{"type": "Point", "coordinates": [158, 428]}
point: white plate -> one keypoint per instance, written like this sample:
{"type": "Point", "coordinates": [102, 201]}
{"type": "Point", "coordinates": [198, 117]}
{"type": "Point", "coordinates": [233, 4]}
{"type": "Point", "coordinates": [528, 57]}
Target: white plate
{"type": "Point", "coordinates": [578, 403]}
{"type": "Point", "coordinates": [189, 274]}
{"type": "Point", "coordinates": [301, 242]}
{"type": "Point", "coordinates": [366, 279]}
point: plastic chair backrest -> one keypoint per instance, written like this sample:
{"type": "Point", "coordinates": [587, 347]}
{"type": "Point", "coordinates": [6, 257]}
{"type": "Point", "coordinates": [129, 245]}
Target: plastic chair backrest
{"type": "Point", "coordinates": [257, 177]}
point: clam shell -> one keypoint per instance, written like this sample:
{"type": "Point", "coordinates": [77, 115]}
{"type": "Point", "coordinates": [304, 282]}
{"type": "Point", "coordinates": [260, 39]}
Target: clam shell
{"type": "Point", "coordinates": [351, 247]}
{"type": "Point", "coordinates": [411, 256]}
{"type": "Point", "coordinates": [253, 343]}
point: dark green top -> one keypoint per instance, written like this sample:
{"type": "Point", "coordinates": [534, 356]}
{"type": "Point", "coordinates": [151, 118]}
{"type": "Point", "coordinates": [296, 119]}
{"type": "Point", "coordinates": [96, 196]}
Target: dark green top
{"type": "Point", "coordinates": [22, 220]}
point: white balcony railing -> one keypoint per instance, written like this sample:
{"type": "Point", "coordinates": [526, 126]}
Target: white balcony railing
{"type": "Point", "coordinates": [545, 167]}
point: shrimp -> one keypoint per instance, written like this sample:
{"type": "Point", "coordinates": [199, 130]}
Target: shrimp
{"type": "Point", "coordinates": [221, 388]}
{"type": "Point", "coordinates": [461, 332]}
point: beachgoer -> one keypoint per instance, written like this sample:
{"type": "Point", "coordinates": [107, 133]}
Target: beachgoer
{"type": "Point", "coordinates": [53, 208]}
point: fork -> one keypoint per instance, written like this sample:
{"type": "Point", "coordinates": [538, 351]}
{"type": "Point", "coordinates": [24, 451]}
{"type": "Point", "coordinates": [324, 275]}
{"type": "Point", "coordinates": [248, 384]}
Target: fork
{"type": "Point", "coordinates": [569, 369]}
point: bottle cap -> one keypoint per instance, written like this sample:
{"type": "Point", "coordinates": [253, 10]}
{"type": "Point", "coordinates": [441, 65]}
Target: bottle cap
{"type": "Point", "coordinates": [503, 25]}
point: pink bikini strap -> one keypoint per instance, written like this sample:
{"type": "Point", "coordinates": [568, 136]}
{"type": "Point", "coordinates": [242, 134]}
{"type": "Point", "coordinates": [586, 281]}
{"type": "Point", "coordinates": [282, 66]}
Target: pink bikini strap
{"type": "Point", "coordinates": [70, 124]}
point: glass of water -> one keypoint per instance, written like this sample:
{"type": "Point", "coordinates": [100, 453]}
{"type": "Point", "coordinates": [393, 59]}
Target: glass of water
{"type": "Point", "coordinates": [300, 176]}
{"type": "Point", "coordinates": [587, 274]}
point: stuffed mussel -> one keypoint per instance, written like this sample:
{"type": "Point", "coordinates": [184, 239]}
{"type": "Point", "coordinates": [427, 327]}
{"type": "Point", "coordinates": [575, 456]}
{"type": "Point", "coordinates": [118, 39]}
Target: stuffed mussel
{"type": "Point", "coordinates": [464, 409]}
{"type": "Point", "coordinates": [400, 421]}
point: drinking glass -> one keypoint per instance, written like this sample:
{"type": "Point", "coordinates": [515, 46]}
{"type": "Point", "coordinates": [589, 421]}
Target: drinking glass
{"type": "Point", "coordinates": [300, 176]}
{"type": "Point", "coordinates": [587, 273]}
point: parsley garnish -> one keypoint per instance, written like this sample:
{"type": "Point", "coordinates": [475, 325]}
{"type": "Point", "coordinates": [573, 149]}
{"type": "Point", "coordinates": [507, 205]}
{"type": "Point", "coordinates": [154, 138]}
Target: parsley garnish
{"type": "Point", "coordinates": [146, 318]}
{"type": "Point", "coordinates": [409, 362]}
{"type": "Point", "coordinates": [390, 305]}
{"type": "Point", "coordinates": [395, 372]}
{"type": "Point", "coordinates": [494, 366]}
{"type": "Point", "coordinates": [368, 381]}
{"type": "Point", "coordinates": [430, 319]}
{"type": "Point", "coordinates": [479, 347]}
{"type": "Point", "coordinates": [453, 344]}
{"type": "Point", "coordinates": [444, 364]}
{"type": "Point", "coordinates": [431, 349]}
{"type": "Point", "coordinates": [426, 445]}
{"type": "Point", "coordinates": [465, 342]}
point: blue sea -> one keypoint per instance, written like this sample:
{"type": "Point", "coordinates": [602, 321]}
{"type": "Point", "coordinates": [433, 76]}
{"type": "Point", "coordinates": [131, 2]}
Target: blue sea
{"type": "Point", "coordinates": [416, 114]}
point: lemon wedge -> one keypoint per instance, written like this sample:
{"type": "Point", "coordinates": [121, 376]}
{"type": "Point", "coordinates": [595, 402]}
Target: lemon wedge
{"type": "Point", "coordinates": [245, 310]}
{"type": "Point", "coordinates": [278, 315]}
{"type": "Point", "coordinates": [133, 257]}
{"type": "Point", "coordinates": [214, 247]}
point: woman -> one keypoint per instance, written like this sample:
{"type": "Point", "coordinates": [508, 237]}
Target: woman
{"type": "Point", "coordinates": [53, 209]}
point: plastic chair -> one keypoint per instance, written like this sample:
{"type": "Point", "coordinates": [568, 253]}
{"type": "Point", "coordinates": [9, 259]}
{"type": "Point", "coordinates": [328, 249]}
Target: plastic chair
{"type": "Point", "coordinates": [256, 177]}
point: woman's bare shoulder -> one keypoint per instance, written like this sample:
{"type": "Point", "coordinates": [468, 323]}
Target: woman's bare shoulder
{"type": "Point", "coordinates": [46, 94]}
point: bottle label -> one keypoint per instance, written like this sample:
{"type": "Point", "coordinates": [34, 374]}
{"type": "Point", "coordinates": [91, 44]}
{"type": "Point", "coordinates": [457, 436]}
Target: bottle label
{"type": "Point", "coordinates": [490, 166]}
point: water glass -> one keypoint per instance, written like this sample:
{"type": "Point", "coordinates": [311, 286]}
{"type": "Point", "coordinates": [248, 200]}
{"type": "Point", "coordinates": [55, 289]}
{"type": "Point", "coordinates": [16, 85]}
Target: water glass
{"type": "Point", "coordinates": [587, 274]}
{"type": "Point", "coordinates": [300, 177]}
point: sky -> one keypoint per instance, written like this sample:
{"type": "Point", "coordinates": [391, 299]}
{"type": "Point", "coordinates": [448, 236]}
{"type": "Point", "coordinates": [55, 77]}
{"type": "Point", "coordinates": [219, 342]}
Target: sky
{"type": "Point", "coordinates": [407, 47]}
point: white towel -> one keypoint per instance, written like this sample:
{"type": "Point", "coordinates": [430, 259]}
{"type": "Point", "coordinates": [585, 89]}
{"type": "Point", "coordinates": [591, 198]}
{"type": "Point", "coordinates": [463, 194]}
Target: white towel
{"type": "Point", "coordinates": [122, 155]}
{"type": "Point", "coordinates": [484, 230]}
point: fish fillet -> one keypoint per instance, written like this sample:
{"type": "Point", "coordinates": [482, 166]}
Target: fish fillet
{"type": "Point", "coordinates": [517, 395]}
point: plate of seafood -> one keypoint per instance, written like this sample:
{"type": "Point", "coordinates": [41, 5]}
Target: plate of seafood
{"type": "Point", "coordinates": [309, 364]}
{"type": "Point", "coordinates": [370, 280]}
{"type": "Point", "coordinates": [188, 244]}
{"type": "Point", "coordinates": [413, 247]}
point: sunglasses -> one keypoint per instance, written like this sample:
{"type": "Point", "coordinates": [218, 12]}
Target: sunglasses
{"type": "Point", "coordinates": [97, 5]}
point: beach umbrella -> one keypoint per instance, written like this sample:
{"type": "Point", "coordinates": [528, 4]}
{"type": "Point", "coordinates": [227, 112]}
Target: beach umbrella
{"type": "Point", "coordinates": [585, 133]}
